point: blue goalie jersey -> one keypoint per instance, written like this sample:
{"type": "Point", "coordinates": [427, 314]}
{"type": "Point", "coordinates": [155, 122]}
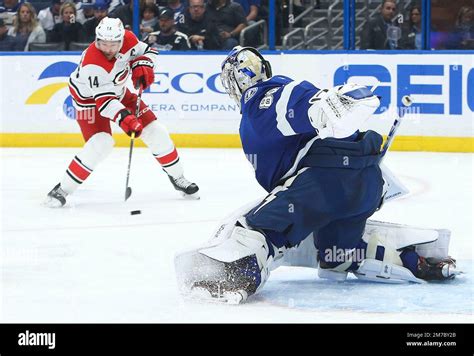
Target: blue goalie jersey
{"type": "Point", "coordinates": [275, 129]}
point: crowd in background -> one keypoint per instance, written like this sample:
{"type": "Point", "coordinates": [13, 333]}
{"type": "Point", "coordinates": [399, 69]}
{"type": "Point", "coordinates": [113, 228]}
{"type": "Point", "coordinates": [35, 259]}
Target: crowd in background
{"type": "Point", "coordinates": [164, 24]}
{"type": "Point", "coordinates": [388, 30]}
{"type": "Point", "coordinates": [197, 24]}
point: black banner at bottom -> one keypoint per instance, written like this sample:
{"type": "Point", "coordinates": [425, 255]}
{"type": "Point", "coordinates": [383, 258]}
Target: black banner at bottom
{"type": "Point", "coordinates": [330, 339]}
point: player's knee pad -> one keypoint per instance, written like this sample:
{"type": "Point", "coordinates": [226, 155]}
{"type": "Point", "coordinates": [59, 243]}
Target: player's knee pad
{"type": "Point", "coordinates": [156, 137]}
{"type": "Point", "coordinates": [96, 149]}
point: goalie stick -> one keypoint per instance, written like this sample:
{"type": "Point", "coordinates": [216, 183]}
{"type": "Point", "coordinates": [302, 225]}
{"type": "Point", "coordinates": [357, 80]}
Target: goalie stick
{"type": "Point", "coordinates": [406, 101]}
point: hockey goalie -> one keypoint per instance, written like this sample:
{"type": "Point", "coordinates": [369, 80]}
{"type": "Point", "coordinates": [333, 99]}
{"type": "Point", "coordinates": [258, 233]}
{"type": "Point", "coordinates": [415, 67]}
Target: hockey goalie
{"type": "Point", "coordinates": [324, 180]}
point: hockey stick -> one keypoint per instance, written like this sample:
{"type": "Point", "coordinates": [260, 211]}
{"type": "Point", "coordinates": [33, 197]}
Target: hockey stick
{"type": "Point", "coordinates": [406, 101]}
{"type": "Point", "coordinates": [394, 188]}
{"type": "Point", "coordinates": [128, 190]}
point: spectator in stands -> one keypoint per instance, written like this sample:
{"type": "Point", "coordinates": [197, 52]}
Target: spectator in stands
{"type": "Point", "coordinates": [201, 31]}
{"type": "Point", "coordinates": [149, 22]}
{"type": "Point", "coordinates": [50, 16]}
{"type": "Point", "coordinates": [230, 20]}
{"type": "Point", "coordinates": [88, 28]}
{"type": "Point", "coordinates": [26, 28]}
{"type": "Point", "coordinates": [125, 13]}
{"type": "Point", "coordinates": [411, 32]}
{"type": "Point", "coordinates": [251, 10]}
{"type": "Point", "coordinates": [179, 9]}
{"type": "Point", "coordinates": [69, 30]}
{"type": "Point", "coordinates": [168, 38]}
{"type": "Point", "coordinates": [6, 41]}
{"type": "Point", "coordinates": [116, 3]}
{"type": "Point", "coordinates": [463, 35]}
{"type": "Point", "coordinates": [84, 10]}
{"type": "Point", "coordinates": [9, 5]}
{"type": "Point", "coordinates": [8, 9]}
{"type": "Point", "coordinates": [381, 32]}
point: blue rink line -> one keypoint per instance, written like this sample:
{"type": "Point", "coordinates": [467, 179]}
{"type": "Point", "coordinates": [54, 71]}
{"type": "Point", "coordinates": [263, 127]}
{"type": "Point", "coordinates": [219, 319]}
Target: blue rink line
{"type": "Point", "coordinates": [314, 294]}
{"type": "Point", "coordinates": [286, 52]}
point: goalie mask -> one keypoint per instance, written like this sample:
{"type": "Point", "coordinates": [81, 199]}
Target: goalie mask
{"type": "Point", "coordinates": [243, 68]}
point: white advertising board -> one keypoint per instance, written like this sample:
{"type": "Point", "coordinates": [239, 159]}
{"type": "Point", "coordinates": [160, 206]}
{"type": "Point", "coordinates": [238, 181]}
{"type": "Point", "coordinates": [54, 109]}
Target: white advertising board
{"type": "Point", "coordinates": [188, 97]}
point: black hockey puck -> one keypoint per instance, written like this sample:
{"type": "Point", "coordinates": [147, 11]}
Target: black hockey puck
{"type": "Point", "coordinates": [135, 212]}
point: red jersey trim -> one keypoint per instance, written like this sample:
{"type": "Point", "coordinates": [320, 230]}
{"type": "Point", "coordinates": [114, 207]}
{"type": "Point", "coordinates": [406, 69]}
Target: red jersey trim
{"type": "Point", "coordinates": [129, 41]}
{"type": "Point", "coordinates": [95, 56]}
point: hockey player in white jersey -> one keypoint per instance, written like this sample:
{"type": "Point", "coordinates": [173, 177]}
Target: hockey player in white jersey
{"type": "Point", "coordinates": [100, 96]}
{"type": "Point", "coordinates": [324, 181]}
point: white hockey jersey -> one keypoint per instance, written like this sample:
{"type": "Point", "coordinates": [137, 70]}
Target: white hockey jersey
{"type": "Point", "coordinates": [99, 82]}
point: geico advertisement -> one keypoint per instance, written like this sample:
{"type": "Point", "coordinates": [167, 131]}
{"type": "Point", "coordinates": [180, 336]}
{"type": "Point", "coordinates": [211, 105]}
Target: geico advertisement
{"type": "Point", "coordinates": [188, 97]}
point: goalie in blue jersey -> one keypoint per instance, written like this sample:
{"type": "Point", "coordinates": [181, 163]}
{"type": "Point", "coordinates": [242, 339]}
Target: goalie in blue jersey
{"type": "Point", "coordinates": [323, 181]}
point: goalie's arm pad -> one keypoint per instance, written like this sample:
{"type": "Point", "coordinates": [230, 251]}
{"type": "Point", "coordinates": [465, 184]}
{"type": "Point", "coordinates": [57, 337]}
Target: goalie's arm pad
{"type": "Point", "coordinates": [341, 111]}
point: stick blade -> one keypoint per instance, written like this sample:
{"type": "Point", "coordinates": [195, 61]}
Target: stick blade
{"type": "Point", "coordinates": [128, 192]}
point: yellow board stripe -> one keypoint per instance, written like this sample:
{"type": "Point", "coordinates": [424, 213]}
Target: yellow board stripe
{"type": "Point", "coordinates": [401, 143]}
{"type": "Point", "coordinates": [121, 140]}
{"type": "Point", "coordinates": [42, 95]}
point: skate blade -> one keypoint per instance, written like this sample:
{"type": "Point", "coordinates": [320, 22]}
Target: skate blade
{"type": "Point", "coordinates": [232, 298]}
{"type": "Point", "coordinates": [52, 203]}
{"type": "Point", "coordinates": [194, 196]}
{"type": "Point", "coordinates": [452, 273]}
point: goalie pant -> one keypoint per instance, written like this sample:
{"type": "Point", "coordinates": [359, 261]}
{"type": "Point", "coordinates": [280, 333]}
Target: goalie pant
{"type": "Point", "coordinates": [332, 196]}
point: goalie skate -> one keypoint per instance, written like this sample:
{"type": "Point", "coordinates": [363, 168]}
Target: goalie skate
{"type": "Point", "coordinates": [217, 292]}
{"type": "Point", "coordinates": [434, 269]}
{"type": "Point", "coordinates": [240, 278]}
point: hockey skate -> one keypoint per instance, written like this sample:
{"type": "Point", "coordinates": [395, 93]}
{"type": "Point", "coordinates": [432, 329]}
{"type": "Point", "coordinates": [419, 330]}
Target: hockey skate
{"type": "Point", "coordinates": [184, 186]}
{"type": "Point", "coordinates": [56, 198]}
{"type": "Point", "coordinates": [435, 269]}
{"type": "Point", "coordinates": [241, 279]}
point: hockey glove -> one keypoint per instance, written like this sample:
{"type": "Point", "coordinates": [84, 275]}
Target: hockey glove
{"type": "Point", "coordinates": [142, 72]}
{"type": "Point", "coordinates": [130, 123]}
{"type": "Point", "coordinates": [342, 110]}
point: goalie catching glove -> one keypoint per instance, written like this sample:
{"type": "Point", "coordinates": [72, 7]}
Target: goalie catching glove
{"type": "Point", "coordinates": [130, 123]}
{"type": "Point", "coordinates": [340, 111]}
{"type": "Point", "coordinates": [142, 72]}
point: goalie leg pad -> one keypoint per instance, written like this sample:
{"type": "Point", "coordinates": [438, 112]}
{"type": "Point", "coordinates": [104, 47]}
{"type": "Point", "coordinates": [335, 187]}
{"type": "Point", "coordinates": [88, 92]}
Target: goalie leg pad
{"type": "Point", "coordinates": [427, 242]}
{"type": "Point", "coordinates": [332, 274]}
{"type": "Point", "coordinates": [228, 271]}
{"type": "Point", "coordinates": [242, 244]}
{"type": "Point", "coordinates": [373, 270]}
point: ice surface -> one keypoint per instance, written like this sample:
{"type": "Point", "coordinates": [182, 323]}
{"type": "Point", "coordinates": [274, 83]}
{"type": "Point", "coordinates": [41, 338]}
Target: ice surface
{"type": "Point", "coordinates": [94, 262]}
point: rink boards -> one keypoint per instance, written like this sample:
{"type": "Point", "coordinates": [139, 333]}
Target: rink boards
{"type": "Point", "coordinates": [36, 108]}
